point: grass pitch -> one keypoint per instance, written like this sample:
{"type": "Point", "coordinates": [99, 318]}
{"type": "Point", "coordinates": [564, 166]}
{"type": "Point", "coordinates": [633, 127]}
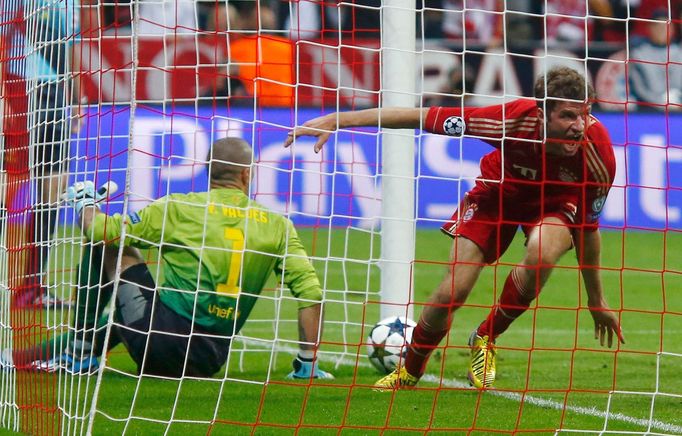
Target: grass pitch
{"type": "Point", "coordinates": [552, 374]}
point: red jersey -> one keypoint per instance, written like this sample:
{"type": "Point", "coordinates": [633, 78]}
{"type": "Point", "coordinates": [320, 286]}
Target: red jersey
{"type": "Point", "coordinates": [532, 179]}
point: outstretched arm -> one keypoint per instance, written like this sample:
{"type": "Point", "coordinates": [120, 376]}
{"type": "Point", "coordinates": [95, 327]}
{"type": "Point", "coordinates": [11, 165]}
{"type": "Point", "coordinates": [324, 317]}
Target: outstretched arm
{"type": "Point", "coordinates": [392, 118]}
{"type": "Point", "coordinates": [85, 198]}
{"type": "Point", "coordinates": [588, 250]}
{"type": "Point", "coordinates": [147, 225]}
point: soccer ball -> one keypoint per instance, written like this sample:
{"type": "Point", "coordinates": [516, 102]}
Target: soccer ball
{"type": "Point", "coordinates": [387, 342]}
{"type": "Point", "coordinates": [453, 126]}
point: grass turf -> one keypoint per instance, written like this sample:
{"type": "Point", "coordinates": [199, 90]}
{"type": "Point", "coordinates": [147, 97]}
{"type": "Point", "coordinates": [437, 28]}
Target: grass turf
{"type": "Point", "coordinates": [552, 374]}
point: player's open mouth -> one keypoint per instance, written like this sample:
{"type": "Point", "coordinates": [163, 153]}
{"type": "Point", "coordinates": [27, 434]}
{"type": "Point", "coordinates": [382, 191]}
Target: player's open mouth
{"type": "Point", "coordinates": [571, 148]}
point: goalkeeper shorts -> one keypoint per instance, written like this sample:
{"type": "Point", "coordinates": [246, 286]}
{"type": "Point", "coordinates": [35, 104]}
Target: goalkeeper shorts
{"type": "Point", "coordinates": [173, 348]}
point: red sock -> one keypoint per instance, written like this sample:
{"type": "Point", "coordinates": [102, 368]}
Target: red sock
{"type": "Point", "coordinates": [424, 341]}
{"type": "Point", "coordinates": [513, 302]}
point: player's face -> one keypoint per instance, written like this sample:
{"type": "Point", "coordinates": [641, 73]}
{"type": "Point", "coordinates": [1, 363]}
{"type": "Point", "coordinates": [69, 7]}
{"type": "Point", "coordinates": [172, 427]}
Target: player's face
{"type": "Point", "coordinates": [565, 128]}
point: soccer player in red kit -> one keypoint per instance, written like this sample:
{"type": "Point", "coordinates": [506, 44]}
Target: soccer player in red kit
{"type": "Point", "coordinates": [549, 173]}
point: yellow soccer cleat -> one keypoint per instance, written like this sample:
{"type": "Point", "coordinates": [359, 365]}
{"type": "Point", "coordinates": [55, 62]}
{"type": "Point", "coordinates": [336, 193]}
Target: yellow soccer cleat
{"type": "Point", "coordinates": [482, 367]}
{"type": "Point", "coordinates": [398, 379]}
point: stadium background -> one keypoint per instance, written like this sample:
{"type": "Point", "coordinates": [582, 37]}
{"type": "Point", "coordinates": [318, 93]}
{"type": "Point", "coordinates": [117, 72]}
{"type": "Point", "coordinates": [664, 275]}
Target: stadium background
{"type": "Point", "coordinates": [164, 162]}
{"type": "Point", "coordinates": [191, 119]}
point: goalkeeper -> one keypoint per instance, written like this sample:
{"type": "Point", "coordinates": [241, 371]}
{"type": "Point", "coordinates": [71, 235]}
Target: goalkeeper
{"type": "Point", "coordinates": [217, 250]}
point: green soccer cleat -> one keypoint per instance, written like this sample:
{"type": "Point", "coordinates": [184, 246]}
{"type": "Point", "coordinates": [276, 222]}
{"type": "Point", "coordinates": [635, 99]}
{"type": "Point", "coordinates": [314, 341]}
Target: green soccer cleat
{"type": "Point", "coordinates": [398, 379]}
{"type": "Point", "coordinates": [482, 367]}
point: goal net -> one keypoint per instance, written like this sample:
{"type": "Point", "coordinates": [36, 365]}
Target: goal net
{"type": "Point", "coordinates": [136, 92]}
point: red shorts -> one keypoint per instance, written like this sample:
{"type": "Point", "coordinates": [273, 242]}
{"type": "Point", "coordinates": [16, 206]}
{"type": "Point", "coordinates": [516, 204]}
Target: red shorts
{"type": "Point", "coordinates": [49, 127]}
{"type": "Point", "coordinates": [478, 219]}
{"type": "Point", "coordinates": [14, 126]}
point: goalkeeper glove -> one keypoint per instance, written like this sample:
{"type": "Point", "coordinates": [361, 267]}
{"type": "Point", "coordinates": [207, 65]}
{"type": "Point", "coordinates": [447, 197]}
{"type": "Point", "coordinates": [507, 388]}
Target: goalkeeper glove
{"type": "Point", "coordinates": [307, 368]}
{"type": "Point", "coordinates": [82, 194]}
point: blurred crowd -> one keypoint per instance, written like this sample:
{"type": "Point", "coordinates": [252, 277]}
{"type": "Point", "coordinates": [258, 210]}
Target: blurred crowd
{"type": "Point", "coordinates": [650, 31]}
{"type": "Point", "coordinates": [482, 22]}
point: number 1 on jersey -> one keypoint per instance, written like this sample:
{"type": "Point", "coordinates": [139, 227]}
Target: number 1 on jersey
{"type": "Point", "coordinates": [231, 286]}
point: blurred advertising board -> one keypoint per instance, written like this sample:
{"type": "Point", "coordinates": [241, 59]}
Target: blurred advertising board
{"type": "Point", "coordinates": [342, 185]}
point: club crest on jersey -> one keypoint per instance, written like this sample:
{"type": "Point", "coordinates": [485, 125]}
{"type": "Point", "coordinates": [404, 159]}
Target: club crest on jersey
{"type": "Point", "coordinates": [469, 213]}
{"type": "Point", "coordinates": [454, 126]}
{"type": "Point", "coordinates": [598, 205]}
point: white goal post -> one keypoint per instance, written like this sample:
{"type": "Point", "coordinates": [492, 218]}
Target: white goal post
{"type": "Point", "coordinates": [399, 77]}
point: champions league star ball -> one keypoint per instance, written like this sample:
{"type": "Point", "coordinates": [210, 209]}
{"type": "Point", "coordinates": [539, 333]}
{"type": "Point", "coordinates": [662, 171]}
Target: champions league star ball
{"type": "Point", "coordinates": [453, 126]}
{"type": "Point", "coordinates": [388, 341]}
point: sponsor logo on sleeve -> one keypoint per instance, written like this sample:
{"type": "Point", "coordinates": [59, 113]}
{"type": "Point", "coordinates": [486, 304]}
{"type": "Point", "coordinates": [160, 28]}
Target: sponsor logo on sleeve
{"type": "Point", "coordinates": [454, 126]}
{"type": "Point", "coordinates": [134, 218]}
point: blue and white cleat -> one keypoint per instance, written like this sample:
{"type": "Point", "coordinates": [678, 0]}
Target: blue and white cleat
{"type": "Point", "coordinates": [66, 362]}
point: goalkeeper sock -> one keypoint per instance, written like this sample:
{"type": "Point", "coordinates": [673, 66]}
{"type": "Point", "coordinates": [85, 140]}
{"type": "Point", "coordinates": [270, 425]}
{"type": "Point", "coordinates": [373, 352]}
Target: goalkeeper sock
{"type": "Point", "coordinates": [92, 297]}
{"type": "Point", "coordinates": [308, 355]}
{"type": "Point", "coordinates": [424, 341]}
{"type": "Point", "coordinates": [513, 302]}
{"type": "Point", "coordinates": [89, 298]}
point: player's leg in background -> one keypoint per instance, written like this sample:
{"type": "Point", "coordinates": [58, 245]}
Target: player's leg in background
{"type": "Point", "coordinates": [4, 114]}
{"type": "Point", "coordinates": [134, 307]}
{"type": "Point", "coordinates": [467, 261]}
{"type": "Point", "coordinates": [84, 341]}
{"type": "Point", "coordinates": [94, 292]}
{"type": "Point", "coordinates": [3, 199]}
{"type": "Point", "coordinates": [79, 349]}
{"type": "Point", "coordinates": [15, 165]}
{"type": "Point", "coordinates": [546, 243]}
{"type": "Point", "coordinates": [136, 286]}
{"type": "Point", "coordinates": [50, 175]}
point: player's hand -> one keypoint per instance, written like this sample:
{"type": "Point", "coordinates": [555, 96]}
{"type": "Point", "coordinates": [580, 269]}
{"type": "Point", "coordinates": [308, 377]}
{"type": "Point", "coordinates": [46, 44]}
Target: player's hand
{"type": "Point", "coordinates": [320, 127]}
{"type": "Point", "coordinates": [306, 369]}
{"type": "Point", "coordinates": [82, 194]}
{"type": "Point", "coordinates": [605, 325]}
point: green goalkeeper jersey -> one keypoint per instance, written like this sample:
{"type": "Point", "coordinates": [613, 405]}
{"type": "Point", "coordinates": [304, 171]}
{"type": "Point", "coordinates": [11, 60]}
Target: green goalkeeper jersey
{"type": "Point", "coordinates": [217, 250]}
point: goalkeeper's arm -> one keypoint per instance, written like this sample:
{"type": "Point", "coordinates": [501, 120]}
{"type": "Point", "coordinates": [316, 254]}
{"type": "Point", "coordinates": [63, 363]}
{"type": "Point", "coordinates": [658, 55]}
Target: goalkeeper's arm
{"type": "Point", "coordinates": [147, 225]}
{"type": "Point", "coordinates": [299, 275]}
{"type": "Point", "coordinates": [309, 333]}
{"type": "Point", "coordinates": [309, 329]}
{"type": "Point", "coordinates": [88, 218]}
